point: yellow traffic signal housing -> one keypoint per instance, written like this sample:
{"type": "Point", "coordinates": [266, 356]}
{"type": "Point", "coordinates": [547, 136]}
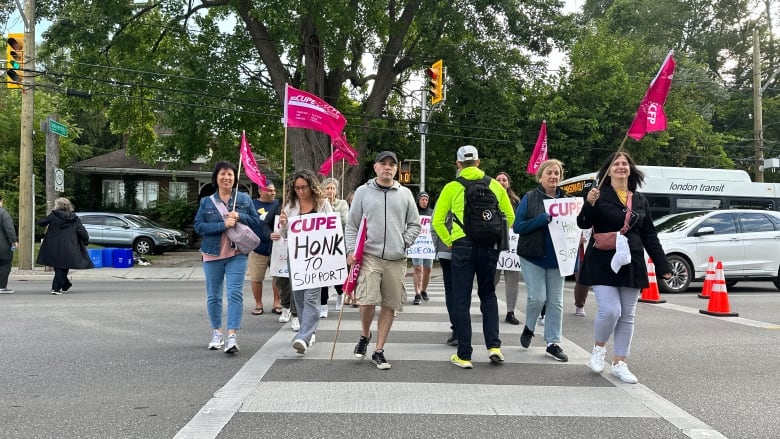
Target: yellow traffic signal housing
{"type": "Point", "coordinates": [435, 75]}
{"type": "Point", "coordinates": [14, 60]}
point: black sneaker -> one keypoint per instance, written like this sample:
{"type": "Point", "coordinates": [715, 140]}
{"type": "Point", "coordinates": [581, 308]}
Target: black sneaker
{"type": "Point", "coordinates": [525, 337]}
{"type": "Point", "coordinates": [360, 348]}
{"type": "Point", "coordinates": [379, 359]}
{"type": "Point", "coordinates": [556, 352]}
{"type": "Point", "coordinates": [424, 295]}
{"type": "Point", "coordinates": [510, 318]}
{"type": "Point", "coordinates": [453, 340]}
{"type": "Point", "coordinates": [417, 299]}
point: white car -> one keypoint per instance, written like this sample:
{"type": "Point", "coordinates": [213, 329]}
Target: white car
{"type": "Point", "coordinates": [747, 242]}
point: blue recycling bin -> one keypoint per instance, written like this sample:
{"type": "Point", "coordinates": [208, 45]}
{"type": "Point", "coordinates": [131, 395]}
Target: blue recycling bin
{"type": "Point", "coordinates": [96, 255]}
{"type": "Point", "coordinates": [122, 257]}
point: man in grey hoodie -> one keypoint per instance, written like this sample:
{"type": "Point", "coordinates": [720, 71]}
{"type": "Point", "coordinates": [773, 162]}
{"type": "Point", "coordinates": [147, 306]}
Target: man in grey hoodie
{"type": "Point", "coordinates": [392, 225]}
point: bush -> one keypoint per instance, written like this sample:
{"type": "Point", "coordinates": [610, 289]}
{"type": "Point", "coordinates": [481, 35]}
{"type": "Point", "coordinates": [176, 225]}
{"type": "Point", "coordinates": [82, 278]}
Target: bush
{"type": "Point", "coordinates": [177, 214]}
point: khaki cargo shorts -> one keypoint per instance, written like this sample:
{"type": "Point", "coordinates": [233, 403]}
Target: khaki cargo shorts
{"type": "Point", "coordinates": [381, 283]}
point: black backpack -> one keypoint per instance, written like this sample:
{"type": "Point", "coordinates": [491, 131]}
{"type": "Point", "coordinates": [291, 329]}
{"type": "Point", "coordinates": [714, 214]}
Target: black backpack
{"type": "Point", "coordinates": [483, 221]}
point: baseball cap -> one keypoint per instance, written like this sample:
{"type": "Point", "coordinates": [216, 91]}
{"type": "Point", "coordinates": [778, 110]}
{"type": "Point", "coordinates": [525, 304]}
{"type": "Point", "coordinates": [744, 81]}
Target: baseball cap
{"type": "Point", "coordinates": [467, 152]}
{"type": "Point", "coordinates": [385, 154]}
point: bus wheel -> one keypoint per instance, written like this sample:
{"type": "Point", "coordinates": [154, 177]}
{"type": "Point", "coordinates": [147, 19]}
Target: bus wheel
{"type": "Point", "coordinates": [681, 276]}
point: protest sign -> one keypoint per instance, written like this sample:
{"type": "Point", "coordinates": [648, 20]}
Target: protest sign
{"type": "Point", "coordinates": [508, 260]}
{"type": "Point", "coordinates": [564, 231]}
{"type": "Point", "coordinates": [317, 251]}
{"type": "Point", "coordinates": [279, 254]}
{"type": "Point", "coordinates": [423, 247]}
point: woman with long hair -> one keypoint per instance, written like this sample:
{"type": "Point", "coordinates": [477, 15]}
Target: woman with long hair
{"type": "Point", "coordinates": [304, 197]}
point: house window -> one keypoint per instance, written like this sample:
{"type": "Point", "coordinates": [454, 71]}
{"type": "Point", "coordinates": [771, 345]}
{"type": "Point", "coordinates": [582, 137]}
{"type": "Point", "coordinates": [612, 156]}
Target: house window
{"type": "Point", "coordinates": [177, 190]}
{"type": "Point", "coordinates": [146, 194]}
{"type": "Point", "coordinates": [113, 192]}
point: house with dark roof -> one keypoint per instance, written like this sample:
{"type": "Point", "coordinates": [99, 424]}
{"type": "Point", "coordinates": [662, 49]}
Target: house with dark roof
{"type": "Point", "coordinates": [109, 174]}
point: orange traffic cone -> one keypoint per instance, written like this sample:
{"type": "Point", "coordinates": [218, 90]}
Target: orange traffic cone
{"type": "Point", "coordinates": [651, 294]}
{"type": "Point", "coordinates": [719, 298]}
{"type": "Point", "coordinates": [709, 279]}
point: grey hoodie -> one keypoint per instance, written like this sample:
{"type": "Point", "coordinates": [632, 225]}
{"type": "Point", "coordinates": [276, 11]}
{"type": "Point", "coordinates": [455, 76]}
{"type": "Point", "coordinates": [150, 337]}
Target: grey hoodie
{"type": "Point", "coordinates": [392, 220]}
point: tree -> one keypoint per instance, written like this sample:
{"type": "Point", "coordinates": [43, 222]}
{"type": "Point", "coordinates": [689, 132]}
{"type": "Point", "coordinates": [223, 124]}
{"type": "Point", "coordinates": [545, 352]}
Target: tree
{"type": "Point", "coordinates": [178, 65]}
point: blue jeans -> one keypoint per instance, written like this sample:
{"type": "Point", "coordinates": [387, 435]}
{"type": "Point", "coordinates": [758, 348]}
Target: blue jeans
{"type": "Point", "coordinates": [307, 302]}
{"type": "Point", "coordinates": [545, 287]}
{"type": "Point", "coordinates": [230, 271]}
{"type": "Point", "coordinates": [469, 260]}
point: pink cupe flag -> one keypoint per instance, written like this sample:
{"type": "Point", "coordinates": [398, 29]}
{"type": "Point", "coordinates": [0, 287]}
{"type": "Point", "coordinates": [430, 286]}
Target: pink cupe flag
{"type": "Point", "coordinates": [305, 110]}
{"type": "Point", "coordinates": [354, 271]}
{"type": "Point", "coordinates": [540, 151]}
{"type": "Point", "coordinates": [340, 144]}
{"type": "Point", "coordinates": [250, 165]}
{"type": "Point", "coordinates": [650, 116]}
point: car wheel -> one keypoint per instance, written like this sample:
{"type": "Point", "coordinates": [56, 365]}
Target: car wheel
{"type": "Point", "coordinates": [777, 280]}
{"type": "Point", "coordinates": [681, 276]}
{"type": "Point", "coordinates": [143, 246]}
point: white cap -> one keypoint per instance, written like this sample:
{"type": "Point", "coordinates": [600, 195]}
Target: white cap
{"type": "Point", "coordinates": [467, 152]}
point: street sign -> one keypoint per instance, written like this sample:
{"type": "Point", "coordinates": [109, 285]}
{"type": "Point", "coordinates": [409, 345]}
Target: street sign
{"type": "Point", "coordinates": [59, 180]}
{"type": "Point", "coordinates": [58, 128]}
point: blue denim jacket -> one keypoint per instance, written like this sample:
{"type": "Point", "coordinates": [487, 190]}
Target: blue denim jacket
{"type": "Point", "coordinates": [209, 223]}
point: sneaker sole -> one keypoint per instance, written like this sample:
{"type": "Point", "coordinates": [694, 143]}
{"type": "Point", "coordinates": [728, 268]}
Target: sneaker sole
{"type": "Point", "coordinates": [214, 347]}
{"type": "Point", "coordinates": [381, 366]}
{"type": "Point", "coordinates": [496, 359]}
{"type": "Point", "coordinates": [468, 365]}
{"type": "Point", "coordinates": [232, 350]}
{"type": "Point", "coordinates": [299, 347]}
{"type": "Point", "coordinates": [562, 360]}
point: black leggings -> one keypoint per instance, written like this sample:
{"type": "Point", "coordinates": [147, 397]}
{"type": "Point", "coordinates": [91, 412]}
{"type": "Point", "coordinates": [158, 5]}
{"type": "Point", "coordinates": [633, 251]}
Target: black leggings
{"type": "Point", "coordinates": [324, 293]}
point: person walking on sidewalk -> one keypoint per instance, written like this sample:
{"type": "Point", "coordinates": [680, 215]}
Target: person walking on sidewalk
{"type": "Point", "coordinates": [422, 267]}
{"type": "Point", "coordinates": [392, 225]}
{"type": "Point", "coordinates": [304, 197]}
{"type": "Point", "coordinates": [223, 263]}
{"type": "Point", "coordinates": [511, 278]}
{"type": "Point", "coordinates": [64, 245]}
{"type": "Point", "coordinates": [543, 279]}
{"type": "Point", "coordinates": [260, 258]}
{"type": "Point", "coordinates": [612, 208]}
{"type": "Point", "coordinates": [8, 243]}
{"type": "Point", "coordinates": [470, 259]}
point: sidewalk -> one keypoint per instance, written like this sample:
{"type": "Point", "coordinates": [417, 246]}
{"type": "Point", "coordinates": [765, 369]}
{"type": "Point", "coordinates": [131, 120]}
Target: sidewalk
{"type": "Point", "coordinates": [133, 273]}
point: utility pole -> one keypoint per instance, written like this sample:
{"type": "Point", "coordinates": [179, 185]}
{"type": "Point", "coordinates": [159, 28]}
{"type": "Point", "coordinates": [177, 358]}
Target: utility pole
{"type": "Point", "coordinates": [758, 117]}
{"type": "Point", "coordinates": [423, 130]}
{"type": "Point", "coordinates": [26, 194]}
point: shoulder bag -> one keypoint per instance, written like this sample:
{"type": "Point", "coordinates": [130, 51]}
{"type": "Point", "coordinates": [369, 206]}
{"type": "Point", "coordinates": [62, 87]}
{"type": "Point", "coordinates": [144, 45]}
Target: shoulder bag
{"type": "Point", "coordinates": [608, 240]}
{"type": "Point", "coordinates": [241, 235]}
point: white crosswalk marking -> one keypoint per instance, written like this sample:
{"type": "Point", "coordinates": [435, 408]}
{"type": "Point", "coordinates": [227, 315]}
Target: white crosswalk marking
{"type": "Point", "coordinates": [277, 380]}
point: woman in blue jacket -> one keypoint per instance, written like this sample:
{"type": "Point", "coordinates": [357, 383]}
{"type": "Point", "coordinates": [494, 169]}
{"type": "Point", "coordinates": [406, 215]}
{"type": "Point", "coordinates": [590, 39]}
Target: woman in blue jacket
{"type": "Point", "coordinates": [223, 263]}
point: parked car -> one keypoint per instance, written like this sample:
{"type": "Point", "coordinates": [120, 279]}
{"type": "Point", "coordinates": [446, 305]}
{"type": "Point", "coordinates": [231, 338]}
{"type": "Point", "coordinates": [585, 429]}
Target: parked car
{"type": "Point", "coordinates": [747, 242]}
{"type": "Point", "coordinates": [127, 230]}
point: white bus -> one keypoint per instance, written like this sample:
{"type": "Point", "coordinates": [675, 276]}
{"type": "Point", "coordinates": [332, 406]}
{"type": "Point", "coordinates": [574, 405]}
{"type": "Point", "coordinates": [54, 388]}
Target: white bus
{"type": "Point", "coordinates": [672, 190]}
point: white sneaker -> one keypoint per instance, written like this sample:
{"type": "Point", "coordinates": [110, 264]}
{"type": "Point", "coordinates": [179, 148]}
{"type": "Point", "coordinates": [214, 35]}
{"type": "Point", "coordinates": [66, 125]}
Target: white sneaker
{"type": "Point", "coordinates": [231, 347]}
{"type": "Point", "coordinates": [324, 311]}
{"type": "Point", "coordinates": [621, 371]}
{"type": "Point", "coordinates": [216, 340]}
{"type": "Point", "coordinates": [339, 301]}
{"type": "Point", "coordinates": [579, 311]}
{"type": "Point", "coordinates": [7, 291]}
{"type": "Point", "coordinates": [313, 336]}
{"type": "Point", "coordinates": [296, 324]}
{"type": "Point", "coordinates": [541, 320]}
{"type": "Point", "coordinates": [596, 362]}
{"type": "Point", "coordinates": [299, 346]}
{"type": "Point", "coordinates": [286, 315]}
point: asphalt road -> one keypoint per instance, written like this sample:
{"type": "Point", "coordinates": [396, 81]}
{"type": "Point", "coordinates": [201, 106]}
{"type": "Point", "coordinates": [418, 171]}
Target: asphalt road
{"type": "Point", "coordinates": [128, 359]}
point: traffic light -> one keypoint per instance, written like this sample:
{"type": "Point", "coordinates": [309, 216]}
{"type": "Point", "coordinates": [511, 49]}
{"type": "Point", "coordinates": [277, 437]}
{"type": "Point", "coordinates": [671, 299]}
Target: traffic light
{"type": "Point", "coordinates": [14, 60]}
{"type": "Point", "coordinates": [435, 75]}
{"type": "Point", "coordinates": [405, 173]}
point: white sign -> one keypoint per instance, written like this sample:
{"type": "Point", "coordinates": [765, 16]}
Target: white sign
{"type": "Point", "coordinates": [279, 254]}
{"type": "Point", "coordinates": [317, 251]}
{"type": "Point", "coordinates": [59, 180]}
{"type": "Point", "coordinates": [423, 247]}
{"type": "Point", "coordinates": [508, 260]}
{"type": "Point", "coordinates": [564, 231]}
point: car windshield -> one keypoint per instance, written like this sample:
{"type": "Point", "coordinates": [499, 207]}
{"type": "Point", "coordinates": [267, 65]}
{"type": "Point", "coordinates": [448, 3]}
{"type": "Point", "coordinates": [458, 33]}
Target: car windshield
{"type": "Point", "coordinates": [678, 221]}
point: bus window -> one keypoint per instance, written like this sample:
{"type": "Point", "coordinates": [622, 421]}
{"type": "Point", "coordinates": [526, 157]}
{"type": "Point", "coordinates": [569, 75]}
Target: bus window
{"type": "Point", "coordinates": [686, 204]}
{"type": "Point", "coordinates": [751, 204]}
{"type": "Point", "coordinates": [660, 205]}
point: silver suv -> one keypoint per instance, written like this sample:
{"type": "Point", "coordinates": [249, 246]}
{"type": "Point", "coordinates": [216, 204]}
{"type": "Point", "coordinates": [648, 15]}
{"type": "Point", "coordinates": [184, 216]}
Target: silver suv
{"type": "Point", "coordinates": [127, 230]}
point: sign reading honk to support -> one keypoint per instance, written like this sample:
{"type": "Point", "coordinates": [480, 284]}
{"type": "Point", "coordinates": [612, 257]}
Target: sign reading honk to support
{"type": "Point", "coordinates": [317, 251]}
{"type": "Point", "coordinates": [564, 231]}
